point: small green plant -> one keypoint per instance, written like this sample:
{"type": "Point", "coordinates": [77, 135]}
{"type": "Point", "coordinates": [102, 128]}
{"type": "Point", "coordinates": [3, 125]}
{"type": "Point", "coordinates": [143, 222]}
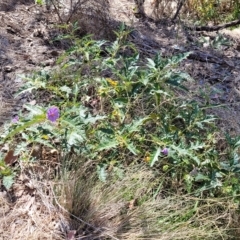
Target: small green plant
{"type": "Point", "coordinates": [219, 42]}
{"type": "Point", "coordinates": [6, 174]}
{"type": "Point", "coordinates": [41, 2]}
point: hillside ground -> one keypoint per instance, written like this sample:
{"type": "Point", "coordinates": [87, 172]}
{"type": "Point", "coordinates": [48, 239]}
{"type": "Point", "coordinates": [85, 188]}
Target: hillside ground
{"type": "Point", "coordinates": [26, 33]}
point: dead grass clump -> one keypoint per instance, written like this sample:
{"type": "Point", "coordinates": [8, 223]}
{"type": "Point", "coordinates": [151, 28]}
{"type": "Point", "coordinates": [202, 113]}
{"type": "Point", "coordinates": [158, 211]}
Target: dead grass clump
{"type": "Point", "coordinates": [135, 207]}
{"type": "Point", "coordinates": [93, 17]}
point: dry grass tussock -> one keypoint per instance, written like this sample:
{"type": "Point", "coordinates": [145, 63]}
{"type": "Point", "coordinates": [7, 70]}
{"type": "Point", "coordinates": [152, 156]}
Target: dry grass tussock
{"type": "Point", "coordinates": [93, 17]}
{"type": "Point", "coordinates": [134, 207]}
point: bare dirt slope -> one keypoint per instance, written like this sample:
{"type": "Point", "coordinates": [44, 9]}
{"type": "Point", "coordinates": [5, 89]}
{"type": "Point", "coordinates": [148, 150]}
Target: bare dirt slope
{"type": "Point", "coordinates": [24, 47]}
{"type": "Point", "coordinates": [27, 211]}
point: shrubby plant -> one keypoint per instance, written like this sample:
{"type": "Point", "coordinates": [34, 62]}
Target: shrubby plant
{"type": "Point", "coordinates": [106, 105]}
{"type": "Point", "coordinates": [211, 10]}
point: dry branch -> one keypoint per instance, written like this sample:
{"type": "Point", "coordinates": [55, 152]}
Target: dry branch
{"type": "Point", "coordinates": [180, 5]}
{"type": "Point", "coordinates": [215, 28]}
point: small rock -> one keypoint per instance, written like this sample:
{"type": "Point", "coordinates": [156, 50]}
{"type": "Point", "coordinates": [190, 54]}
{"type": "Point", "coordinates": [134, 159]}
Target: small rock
{"type": "Point", "coordinates": [8, 69]}
{"type": "Point", "coordinates": [54, 53]}
{"type": "Point", "coordinates": [49, 62]}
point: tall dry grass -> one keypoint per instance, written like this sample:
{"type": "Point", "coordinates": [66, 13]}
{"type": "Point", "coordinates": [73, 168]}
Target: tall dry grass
{"type": "Point", "coordinates": [135, 206]}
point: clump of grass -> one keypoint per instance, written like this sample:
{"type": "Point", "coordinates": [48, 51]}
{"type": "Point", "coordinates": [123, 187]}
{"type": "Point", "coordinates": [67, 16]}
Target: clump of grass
{"type": "Point", "coordinates": [132, 207]}
{"type": "Point", "coordinates": [91, 16]}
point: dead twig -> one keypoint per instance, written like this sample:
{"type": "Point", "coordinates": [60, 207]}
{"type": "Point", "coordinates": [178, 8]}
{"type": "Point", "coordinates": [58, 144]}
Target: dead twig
{"type": "Point", "coordinates": [56, 10]}
{"type": "Point", "coordinates": [180, 5]}
{"type": "Point", "coordinates": [216, 27]}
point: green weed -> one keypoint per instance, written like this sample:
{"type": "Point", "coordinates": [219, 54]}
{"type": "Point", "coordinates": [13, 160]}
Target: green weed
{"type": "Point", "coordinates": [118, 111]}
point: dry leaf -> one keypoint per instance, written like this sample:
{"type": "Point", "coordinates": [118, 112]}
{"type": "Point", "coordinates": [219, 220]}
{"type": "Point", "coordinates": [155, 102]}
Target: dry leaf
{"type": "Point", "coordinates": [10, 158]}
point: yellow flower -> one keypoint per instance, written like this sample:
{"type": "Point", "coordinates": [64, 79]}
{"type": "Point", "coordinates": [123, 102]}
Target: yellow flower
{"type": "Point", "coordinates": [45, 137]}
{"type": "Point", "coordinates": [112, 82]}
{"type": "Point", "coordinates": [147, 157]}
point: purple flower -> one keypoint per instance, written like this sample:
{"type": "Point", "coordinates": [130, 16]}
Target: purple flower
{"type": "Point", "coordinates": [15, 119]}
{"type": "Point", "coordinates": [164, 151]}
{"type": "Point", "coordinates": [53, 113]}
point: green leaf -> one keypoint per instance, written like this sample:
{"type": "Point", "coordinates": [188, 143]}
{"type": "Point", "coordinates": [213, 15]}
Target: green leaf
{"type": "Point", "coordinates": [151, 64]}
{"type": "Point", "coordinates": [112, 143]}
{"type": "Point", "coordinates": [8, 181]}
{"type": "Point", "coordinates": [29, 89]}
{"type": "Point", "coordinates": [176, 80]}
{"type": "Point", "coordinates": [21, 147]}
{"type": "Point", "coordinates": [37, 119]}
{"type": "Point", "coordinates": [209, 120]}
{"type": "Point", "coordinates": [75, 138]}
{"type": "Point", "coordinates": [43, 142]}
{"type": "Point", "coordinates": [131, 148]}
{"type": "Point", "coordinates": [154, 157]}
{"type": "Point", "coordinates": [102, 175]}
{"type": "Point", "coordinates": [34, 110]}
{"type": "Point", "coordinates": [135, 125]}
{"type": "Point", "coordinates": [39, 2]}
{"type": "Point", "coordinates": [185, 152]}
{"type": "Point", "coordinates": [71, 123]}
{"type": "Point", "coordinates": [144, 78]}
{"type": "Point", "coordinates": [225, 166]}
{"type": "Point", "coordinates": [160, 92]}
{"type": "Point", "coordinates": [235, 158]}
{"type": "Point", "coordinates": [93, 119]}
{"type": "Point", "coordinates": [107, 131]}
{"type": "Point", "coordinates": [197, 146]}
{"type": "Point", "coordinates": [201, 177]}
{"type": "Point", "coordinates": [237, 144]}
{"type": "Point", "coordinates": [4, 169]}
{"type": "Point", "coordinates": [178, 58]}
{"type": "Point", "coordinates": [66, 89]}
